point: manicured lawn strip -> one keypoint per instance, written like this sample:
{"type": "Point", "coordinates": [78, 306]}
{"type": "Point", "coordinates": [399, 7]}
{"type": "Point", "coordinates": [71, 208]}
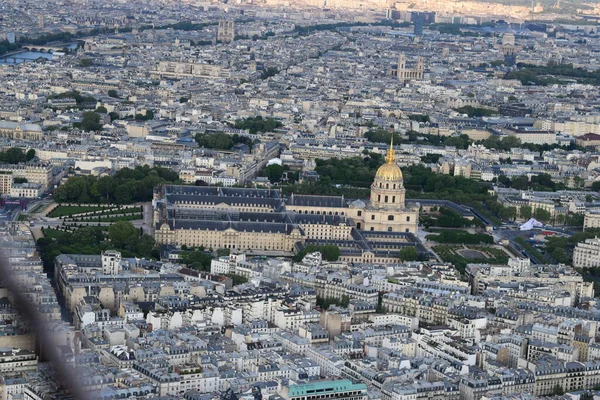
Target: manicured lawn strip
{"type": "Point", "coordinates": [61, 211]}
{"type": "Point", "coordinates": [54, 233]}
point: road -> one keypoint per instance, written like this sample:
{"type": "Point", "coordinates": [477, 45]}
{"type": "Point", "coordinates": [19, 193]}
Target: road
{"type": "Point", "coordinates": [512, 234]}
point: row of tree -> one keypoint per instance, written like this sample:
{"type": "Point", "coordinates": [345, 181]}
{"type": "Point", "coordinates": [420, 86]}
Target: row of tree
{"type": "Point", "coordinates": [121, 236]}
{"type": "Point", "coordinates": [329, 252]}
{"type": "Point", "coordinates": [551, 73]}
{"type": "Point", "coordinates": [258, 124]}
{"type": "Point", "coordinates": [14, 155]}
{"type": "Point", "coordinates": [561, 248]}
{"type": "Point", "coordinates": [461, 237]}
{"type": "Point", "coordinates": [275, 173]}
{"type": "Point", "coordinates": [447, 218]}
{"type": "Point", "coordinates": [221, 141]}
{"type": "Point", "coordinates": [384, 136]}
{"type": "Point", "coordinates": [124, 187]}
{"type": "Point", "coordinates": [541, 182]}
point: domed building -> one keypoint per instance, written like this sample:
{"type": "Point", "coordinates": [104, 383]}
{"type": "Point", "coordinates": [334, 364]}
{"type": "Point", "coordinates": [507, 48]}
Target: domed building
{"type": "Point", "coordinates": [248, 219]}
{"type": "Point", "coordinates": [386, 209]}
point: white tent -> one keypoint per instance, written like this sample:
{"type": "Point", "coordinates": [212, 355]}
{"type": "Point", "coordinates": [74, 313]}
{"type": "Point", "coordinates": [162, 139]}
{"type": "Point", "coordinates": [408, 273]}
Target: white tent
{"type": "Point", "coordinates": [274, 161]}
{"type": "Point", "coordinates": [529, 225]}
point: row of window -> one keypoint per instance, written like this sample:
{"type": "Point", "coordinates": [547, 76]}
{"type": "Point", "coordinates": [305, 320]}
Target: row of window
{"type": "Point", "coordinates": [387, 186]}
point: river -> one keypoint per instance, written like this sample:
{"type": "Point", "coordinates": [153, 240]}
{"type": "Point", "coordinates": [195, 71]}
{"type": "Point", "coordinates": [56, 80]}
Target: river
{"type": "Point", "coordinates": [24, 56]}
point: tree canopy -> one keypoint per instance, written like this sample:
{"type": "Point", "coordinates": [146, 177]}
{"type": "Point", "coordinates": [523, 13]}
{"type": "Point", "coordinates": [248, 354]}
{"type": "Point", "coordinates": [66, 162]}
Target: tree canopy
{"type": "Point", "coordinates": [91, 121]}
{"type": "Point", "coordinates": [258, 124]}
{"type": "Point", "coordinates": [329, 252]}
{"type": "Point", "coordinates": [92, 240]}
{"type": "Point", "coordinates": [221, 140]}
{"type": "Point", "coordinates": [15, 155]}
{"type": "Point", "coordinates": [408, 254]}
{"type": "Point", "coordinates": [125, 187]}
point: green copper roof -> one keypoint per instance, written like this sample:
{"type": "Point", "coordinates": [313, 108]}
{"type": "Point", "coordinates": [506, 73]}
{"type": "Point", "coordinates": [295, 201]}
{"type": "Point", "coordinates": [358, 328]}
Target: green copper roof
{"type": "Point", "coordinates": [324, 387]}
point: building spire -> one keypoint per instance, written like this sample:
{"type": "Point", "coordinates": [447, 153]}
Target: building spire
{"type": "Point", "coordinates": [390, 158]}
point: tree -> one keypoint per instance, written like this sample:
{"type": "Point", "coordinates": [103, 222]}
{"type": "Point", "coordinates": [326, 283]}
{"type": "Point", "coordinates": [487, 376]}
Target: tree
{"type": "Point", "coordinates": [596, 186]}
{"type": "Point", "coordinates": [144, 246]}
{"type": "Point", "coordinates": [408, 254]}
{"type": "Point", "coordinates": [19, 180]}
{"type": "Point", "coordinates": [222, 252]}
{"type": "Point", "coordinates": [197, 260]}
{"type": "Point", "coordinates": [525, 212]}
{"type": "Point", "coordinates": [124, 193]}
{"type": "Point", "coordinates": [274, 172]}
{"type": "Point", "coordinates": [14, 155]}
{"type": "Point", "coordinates": [91, 121]}
{"type": "Point", "coordinates": [113, 93]}
{"type": "Point", "coordinates": [237, 279]}
{"type": "Point", "coordinates": [218, 140]}
{"type": "Point", "coordinates": [542, 215]}
{"type": "Point", "coordinates": [269, 72]}
{"type": "Point", "coordinates": [122, 234]}
{"type": "Point", "coordinates": [30, 155]}
{"type": "Point", "coordinates": [520, 182]}
{"type": "Point", "coordinates": [86, 62]}
{"type": "Point", "coordinates": [101, 110]}
{"type": "Point", "coordinates": [258, 124]}
{"type": "Point", "coordinates": [113, 116]}
{"type": "Point", "coordinates": [183, 99]}
{"type": "Point", "coordinates": [558, 390]}
{"type": "Point", "coordinates": [329, 252]}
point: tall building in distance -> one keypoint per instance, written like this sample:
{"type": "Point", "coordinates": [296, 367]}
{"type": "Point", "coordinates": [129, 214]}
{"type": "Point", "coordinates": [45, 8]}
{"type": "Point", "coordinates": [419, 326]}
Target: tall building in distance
{"type": "Point", "coordinates": [226, 31]}
{"type": "Point", "coordinates": [419, 20]}
{"type": "Point", "coordinates": [41, 21]}
{"type": "Point", "coordinates": [405, 74]}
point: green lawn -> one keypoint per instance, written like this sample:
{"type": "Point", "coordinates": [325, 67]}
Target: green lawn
{"type": "Point", "coordinates": [449, 254]}
{"type": "Point", "coordinates": [54, 233]}
{"type": "Point", "coordinates": [61, 211]}
{"type": "Point", "coordinates": [127, 210]}
{"type": "Point", "coordinates": [115, 210]}
{"type": "Point", "coordinates": [108, 218]}
{"type": "Point", "coordinates": [22, 217]}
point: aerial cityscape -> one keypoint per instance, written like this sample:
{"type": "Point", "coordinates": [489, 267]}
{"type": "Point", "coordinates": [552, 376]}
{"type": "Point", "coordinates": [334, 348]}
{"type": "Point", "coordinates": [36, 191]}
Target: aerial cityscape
{"type": "Point", "coordinates": [300, 199]}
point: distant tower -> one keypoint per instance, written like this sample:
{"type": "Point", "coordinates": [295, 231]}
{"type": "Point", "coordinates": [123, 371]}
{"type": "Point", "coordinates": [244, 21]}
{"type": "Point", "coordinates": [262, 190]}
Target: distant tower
{"type": "Point", "coordinates": [41, 21]}
{"type": "Point", "coordinates": [419, 21]}
{"type": "Point", "coordinates": [226, 31]}
{"type": "Point", "coordinates": [401, 67]}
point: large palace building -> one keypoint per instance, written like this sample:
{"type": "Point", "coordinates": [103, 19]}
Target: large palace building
{"type": "Point", "coordinates": [263, 221]}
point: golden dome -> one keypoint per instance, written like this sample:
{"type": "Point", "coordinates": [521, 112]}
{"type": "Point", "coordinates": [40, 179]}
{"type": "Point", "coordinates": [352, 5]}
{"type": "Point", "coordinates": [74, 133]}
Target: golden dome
{"type": "Point", "coordinates": [389, 171]}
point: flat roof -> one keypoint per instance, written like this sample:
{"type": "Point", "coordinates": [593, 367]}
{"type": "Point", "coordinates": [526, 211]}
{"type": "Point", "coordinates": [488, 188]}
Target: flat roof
{"type": "Point", "coordinates": [321, 387]}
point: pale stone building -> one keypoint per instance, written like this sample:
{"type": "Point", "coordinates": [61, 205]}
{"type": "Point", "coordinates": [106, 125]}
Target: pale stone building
{"type": "Point", "coordinates": [263, 220]}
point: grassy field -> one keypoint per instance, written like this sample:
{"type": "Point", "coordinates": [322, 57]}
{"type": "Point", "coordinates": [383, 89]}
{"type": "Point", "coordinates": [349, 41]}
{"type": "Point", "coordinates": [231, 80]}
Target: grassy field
{"type": "Point", "coordinates": [112, 211]}
{"type": "Point", "coordinates": [108, 218]}
{"type": "Point", "coordinates": [61, 211]}
{"type": "Point", "coordinates": [449, 254]}
{"type": "Point", "coordinates": [54, 233]}
{"type": "Point", "coordinates": [22, 217]}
